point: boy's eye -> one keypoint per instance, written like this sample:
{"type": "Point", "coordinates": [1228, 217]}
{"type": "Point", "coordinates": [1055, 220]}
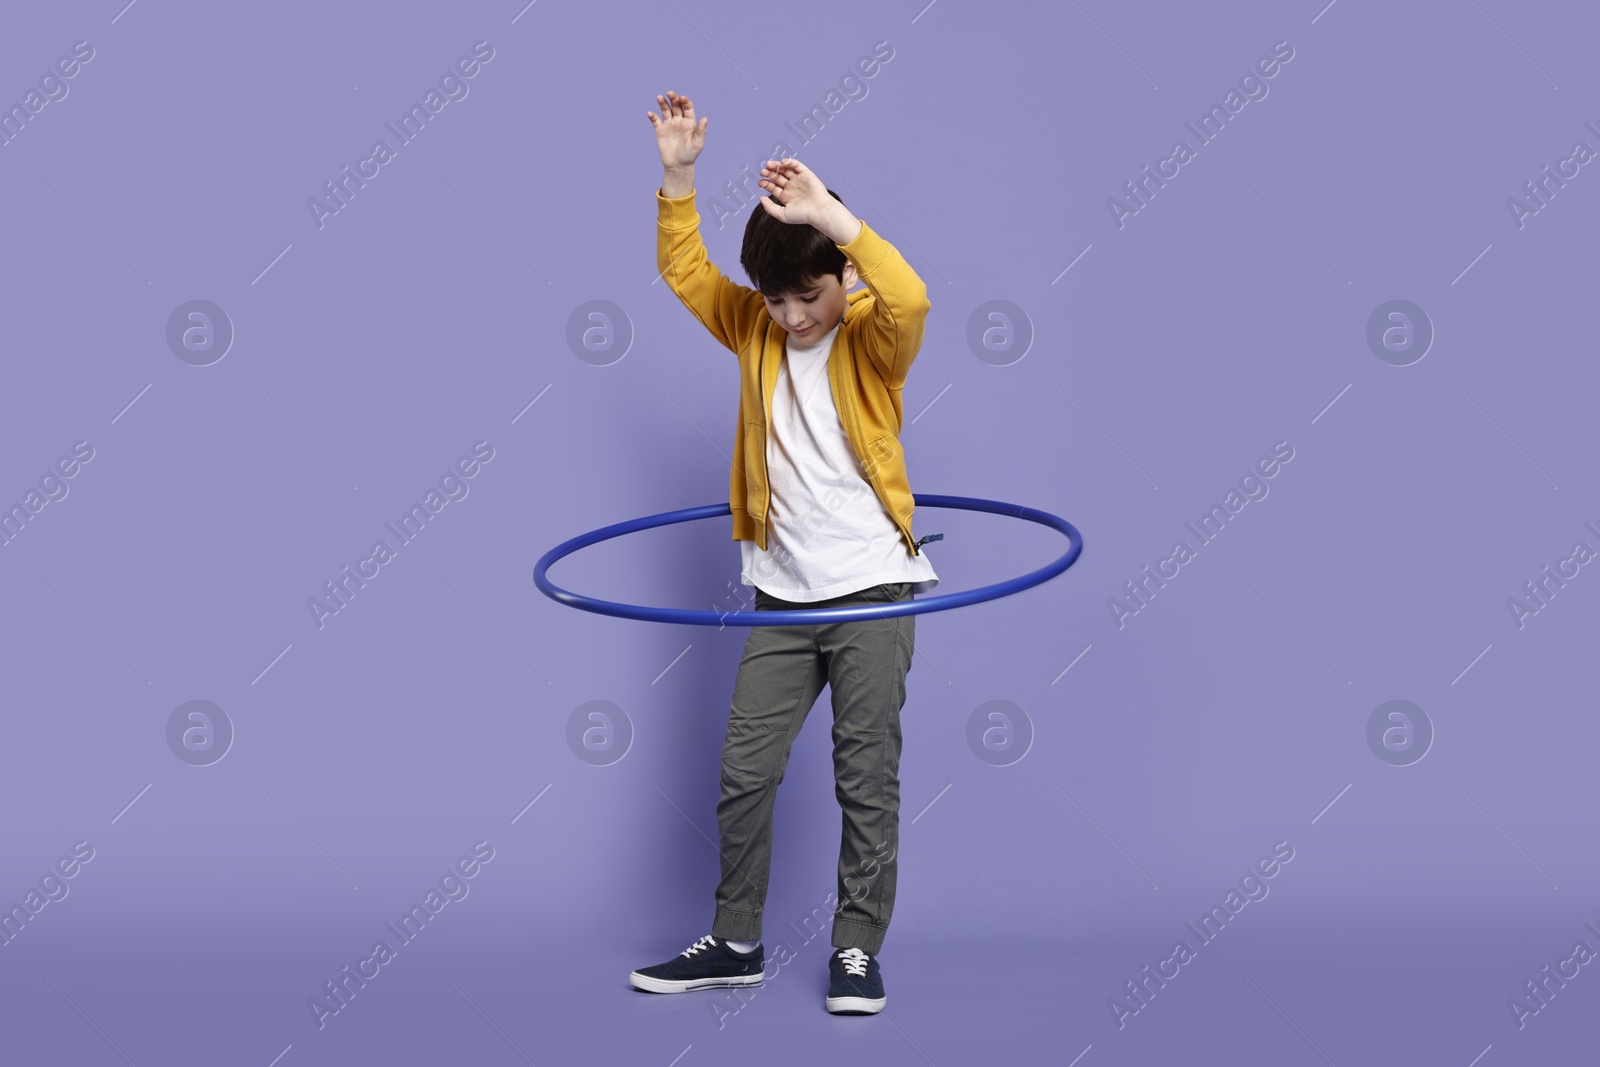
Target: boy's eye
{"type": "Point", "coordinates": [808, 300]}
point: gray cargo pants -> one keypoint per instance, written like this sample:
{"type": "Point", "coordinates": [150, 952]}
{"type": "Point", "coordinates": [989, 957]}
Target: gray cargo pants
{"type": "Point", "coordinates": [781, 673]}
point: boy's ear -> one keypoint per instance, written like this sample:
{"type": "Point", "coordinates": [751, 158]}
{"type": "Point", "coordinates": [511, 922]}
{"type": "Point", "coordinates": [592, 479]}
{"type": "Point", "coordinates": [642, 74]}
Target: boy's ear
{"type": "Point", "coordinates": [850, 276]}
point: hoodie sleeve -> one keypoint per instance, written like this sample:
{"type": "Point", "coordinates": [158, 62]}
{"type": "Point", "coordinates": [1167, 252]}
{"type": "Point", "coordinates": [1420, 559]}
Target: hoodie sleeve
{"type": "Point", "coordinates": [724, 307]}
{"type": "Point", "coordinates": [891, 331]}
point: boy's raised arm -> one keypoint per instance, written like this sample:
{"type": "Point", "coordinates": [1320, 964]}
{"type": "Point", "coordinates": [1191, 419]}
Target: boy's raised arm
{"type": "Point", "coordinates": [724, 307]}
{"type": "Point", "coordinates": [891, 332]}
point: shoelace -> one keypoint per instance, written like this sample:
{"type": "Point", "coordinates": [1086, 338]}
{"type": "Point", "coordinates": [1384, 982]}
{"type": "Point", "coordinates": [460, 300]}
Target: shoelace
{"type": "Point", "coordinates": [705, 942]}
{"type": "Point", "coordinates": [855, 961]}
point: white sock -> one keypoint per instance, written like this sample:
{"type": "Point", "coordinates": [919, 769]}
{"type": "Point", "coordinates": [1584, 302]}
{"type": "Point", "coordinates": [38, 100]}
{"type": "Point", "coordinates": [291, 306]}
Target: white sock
{"type": "Point", "coordinates": [740, 946]}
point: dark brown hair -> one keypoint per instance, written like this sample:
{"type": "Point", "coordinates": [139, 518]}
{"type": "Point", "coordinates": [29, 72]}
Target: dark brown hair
{"type": "Point", "coordinates": [780, 256]}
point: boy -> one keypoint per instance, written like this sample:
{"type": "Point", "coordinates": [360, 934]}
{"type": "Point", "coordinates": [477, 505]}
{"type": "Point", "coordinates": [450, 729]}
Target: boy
{"type": "Point", "coordinates": [822, 513]}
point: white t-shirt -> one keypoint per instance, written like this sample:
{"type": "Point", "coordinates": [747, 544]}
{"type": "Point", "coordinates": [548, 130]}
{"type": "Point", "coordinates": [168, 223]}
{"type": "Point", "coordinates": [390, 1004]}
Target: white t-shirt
{"type": "Point", "coordinates": [828, 534]}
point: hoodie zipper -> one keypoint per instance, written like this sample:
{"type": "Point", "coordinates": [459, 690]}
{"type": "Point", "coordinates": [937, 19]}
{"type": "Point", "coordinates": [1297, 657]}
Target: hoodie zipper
{"type": "Point", "coordinates": [766, 476]}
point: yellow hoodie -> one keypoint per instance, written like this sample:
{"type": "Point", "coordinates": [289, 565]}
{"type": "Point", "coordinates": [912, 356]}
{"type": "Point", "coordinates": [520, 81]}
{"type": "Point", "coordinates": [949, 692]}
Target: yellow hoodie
{"type": "Point", "coordinates": [873, 350]}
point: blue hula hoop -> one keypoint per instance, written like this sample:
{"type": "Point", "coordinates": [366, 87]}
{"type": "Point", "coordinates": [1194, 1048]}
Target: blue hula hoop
{"type": "Point", "coordinates": [943, 602]}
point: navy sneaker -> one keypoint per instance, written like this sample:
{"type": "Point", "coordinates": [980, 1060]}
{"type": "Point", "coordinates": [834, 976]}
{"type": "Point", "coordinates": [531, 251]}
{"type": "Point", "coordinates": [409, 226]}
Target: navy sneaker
{"type": "Point", "coordinates": [707, 963]}
{"type": "Point", "coordinates": [855, 985]}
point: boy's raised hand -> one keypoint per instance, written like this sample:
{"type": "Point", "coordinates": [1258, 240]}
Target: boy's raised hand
{"type": "Point", "coordinates": [798, 195]}
{"type": "Point", "coordinates": [677, 135]}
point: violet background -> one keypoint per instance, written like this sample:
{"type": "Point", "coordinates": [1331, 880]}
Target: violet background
{"type": "Point", "coordinates": [1230, 714]}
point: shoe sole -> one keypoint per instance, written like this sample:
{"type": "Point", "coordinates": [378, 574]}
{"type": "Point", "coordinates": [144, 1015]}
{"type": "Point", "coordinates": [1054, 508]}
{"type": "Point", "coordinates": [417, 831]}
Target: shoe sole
{"type": "Point", "coordinates": [685, 985]}
{"type": "Point", "coordinates": [855, 1005]}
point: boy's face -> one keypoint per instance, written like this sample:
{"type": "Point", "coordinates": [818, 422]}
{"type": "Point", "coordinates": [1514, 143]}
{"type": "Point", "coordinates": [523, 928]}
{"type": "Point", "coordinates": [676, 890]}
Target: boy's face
{"type": "Point", "coordinates": [816, 309]}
